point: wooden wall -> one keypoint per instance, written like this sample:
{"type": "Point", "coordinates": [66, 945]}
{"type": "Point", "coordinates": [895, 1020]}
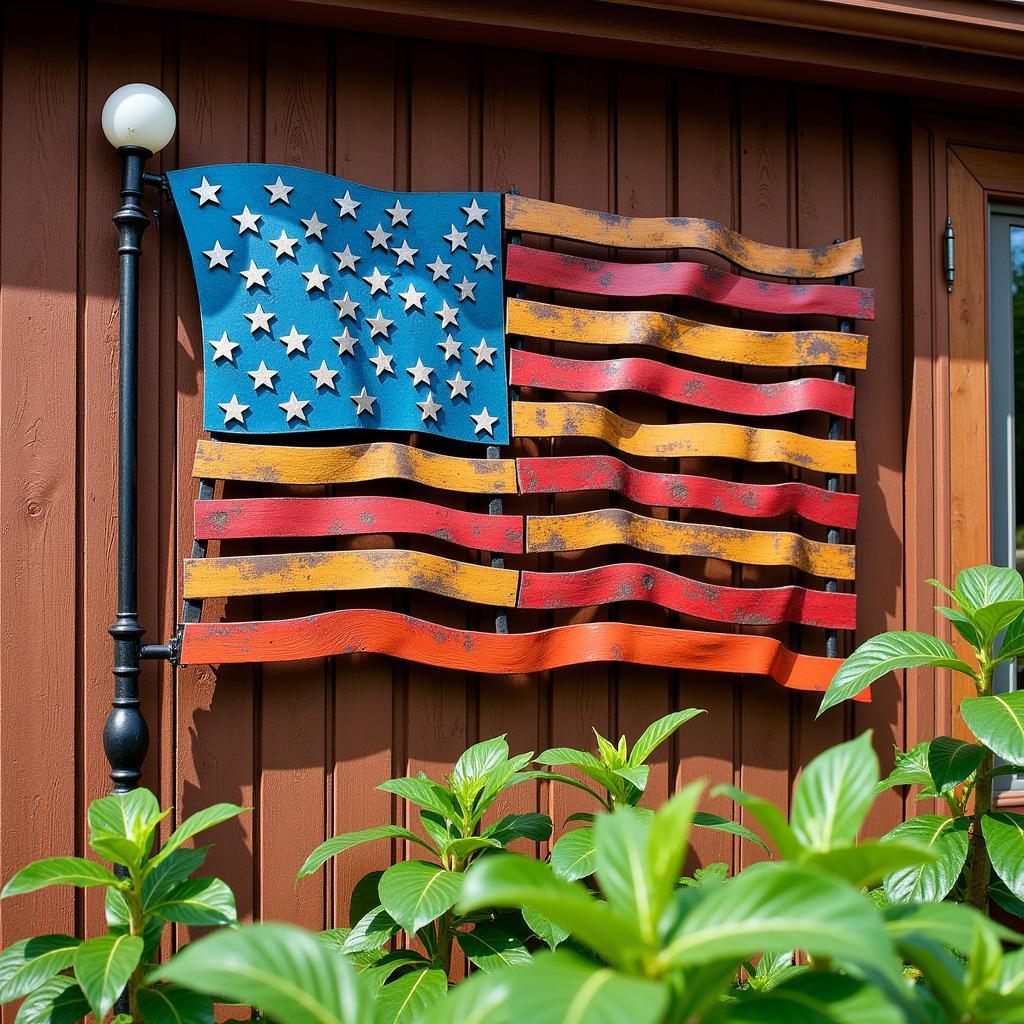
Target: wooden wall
{"type": "Point", "coordinates": [304, 746]}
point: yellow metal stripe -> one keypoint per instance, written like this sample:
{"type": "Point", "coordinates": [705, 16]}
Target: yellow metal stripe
{"type": "Point", "coordinates": [681, 440]}
{"type": "Point", "coordinates": [687, 337]}
{"type": "Point", "coordinates": [217, 460]}
{"type": "Point", "coordinates": [535, 215]}
{"type": "Point", "coordinates": [349, 570]}
{"type": "Point", "coordinates": [581, 530]}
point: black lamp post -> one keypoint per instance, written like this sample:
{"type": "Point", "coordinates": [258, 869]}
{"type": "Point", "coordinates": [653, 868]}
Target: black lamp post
{"type": "Point", "coordinates": [139, 121]}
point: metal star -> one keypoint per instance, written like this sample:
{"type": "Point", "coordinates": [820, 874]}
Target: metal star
{"type": "Point", "coordinates": [399, 214]}
{"type": "Point", "coordinates": [294, 342]}
{"type": "Point", "coordinates": [440, 269]}
{"type": "Point", "coordinates": [346, 260]}
{"type": "Point", "coordinates": [263, 377]}
{"type": "Point", "coordinates": [465, 289]}
{"type": "Point", "coordinates": [207, 193]}
{"type": "Point", "coordinates": [429, 407]}
{"type": "Point", "coordinates": [460, 386]}
{"type": "Point", "coordinates": [294, 409]}
{"type": "Point", "coordinates": [259, 320]}
{"type": "Point", "coordinates": [279, 192]}
{"type": "Point", "coordinates": [457, 238]}
{"type": "Point", "coordinates": [481, 421]}
{"type": "Point", "coordinates": [324, 376]}
{"type": "Point", "coordinates": [254, 275]}
{"type": "Point", "coordinates": [346, 343]}
{"type": "Point", "coordinates": [218, 255]}
{"type": "Point", "coordinates": [378, 282]}
{"type": "Point", "coordinates": [474, 213]}
{"type": "Point", "coordinates": [315, 279]}
{"type": "Point", "coordinates": [451, 348]}
{"type": "Point", "coordinates": [224, 348]}
{"type": "Point", "coordinates": [379, 237]}
{"type": "Point", "coordinates": [412, 298]}
{"type": "Point", "coordinates": [247, 221]}
{"type": "Point", "coordinates": [347, 206]}
{"type": "Point", "coordinates": [364, 402]}
{"type": "Point", "coordinates": [382, 362]}
{"type": "Point", "coordinates": [379, 324]}
{"type": "Point", "coordinates": [448, 315]}
{"type": "Point", "coordinates": [405, 253]}
{"type": "Point", "coordinates": [484, 259]}
{"type": "Point", "coordinates": [234, 410]}
{"type": "Point", "coordinates": [483, 352]}
{"type": "Point", "coordinates": [420, 373]}
{"type": "Point", "coordinates": [284, 245]}
{"type": "Point", "coordinates": [346, 307]}
{"type": "Point", "coordinates": [313, 225]}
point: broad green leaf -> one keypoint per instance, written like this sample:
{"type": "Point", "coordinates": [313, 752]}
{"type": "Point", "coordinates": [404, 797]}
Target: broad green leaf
{"type": "Point", "coordinates": [1003, 898]}
{"type": "Point", "coordinates": [169, 872]}
{"type": "Point", "coordinates": [951, 924]}
{"type": "Point", "coordinates": [409, 997]}
{"type": "Point", "coordinates": [635, 777]}
{"type": "Point", "coordinates": [57, 1001]}
{"type": "Point", "coordinates": [103, 967]}
{"type": "Point", "coordinates": [472, 768]}
{"type": "Point", "coordinates": [283, 970]}
{"type": "Point", "coordinates": [657, 732]}
{"type": "Point", "coordinates": [772, 969]}
{"type": "Point", "coordinates": [1013, 640]}
{"type": "Point", "coordinates": [715, 822]}
{"type": "Point", "coordinates": [608, 752]}
{"type": "Point", "coordinates": [779, 906]}
{"type": "Point", "coordinates": [339, 844]}
{"type": "Point", "coordinates": [574, 855]}
{"type": "Point", "coordinates": [364, 896]}
{"type": "Point", "coordinates": [769, 817]}
{"type": "Point", "coordinates": [911, 769]}
{"type": "Point", "coordinates": [581, 759]}
{"type": "Point", "coordinates": [121, 826]}
{"type": "Point", "coordinates": [868, 862]}
{"type": "Point", "coordinates": [334, 939]}
{"type": "Point", "coordinates": [424, 793]}
{"type": "Point", "coordinates": [59, 871]}
{"type": "Point", "coordinates": [490, 948]}
{"type": "Point", "coordinates": [951, 761]}
{"type": "Point", "coordinates": [460, 849]}
{"type": "Point", "coordinates": [667, 839]}
{"type": "Point", "coordinates": [962, 624]}
{"type": "Point", "coordinates": [169, 1004]}
{"type": "Point", "coordinates": [622, 868]}
{"type": "Point", "coordinates": [1011, 973]}
{"type": "Point", "coordinates": [415, 893]}
{"type": "Point", "coordinates": [371, 931]}
{"type": "Point", "coordinates": [834, 794]}
{"type": "Point", "coordinates": [196, 823]}
{"type": "Point", "coordinates": [519, 826]}
{"type": "Point", "coordinates": [998, 721]}
{"type": "Point", "coordinates": [984, 585]}
{"type": "Point", "coordinates": [387, 965]}
{"type": "Point", "coordinates": [994, 618]}
{"type": "Point", "coordinates": [1004, 837]}
{"type": "Point", "coordinates": [25, 965]}
{"type": "Point", "coordinates": [440, 831]}
{"type": "Point", "coordinates": [501, 778]}
{"type": "Point", "coordinates": [1005, 769]}
{"type": "Point", "coordinates": [947, 838]}
{"type": "Point", "coordinates": [547, 931]}
{"type": "Point", "coordinates": [197, 901]}
{"type": "Point", "coordinates": [509, 880]}
{"type": "Point", "coordinates": [481, 999]}
{"type": "Point", "coordinates": [887, 653]}
{"type": "Point", "coordinates": [813, 997]}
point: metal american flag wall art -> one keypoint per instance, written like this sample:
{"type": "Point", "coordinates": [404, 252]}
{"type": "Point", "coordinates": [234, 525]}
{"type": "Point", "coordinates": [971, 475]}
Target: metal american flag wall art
{"type": "Point", "coordinates": [467, 360]}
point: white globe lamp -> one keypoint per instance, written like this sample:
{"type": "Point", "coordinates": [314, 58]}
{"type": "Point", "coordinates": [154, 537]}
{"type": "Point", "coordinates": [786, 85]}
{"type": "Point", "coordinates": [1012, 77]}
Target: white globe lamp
{"type": "Point", "coordinates": [138, 115]}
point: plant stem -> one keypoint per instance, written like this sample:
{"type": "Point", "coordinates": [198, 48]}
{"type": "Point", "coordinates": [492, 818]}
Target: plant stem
{"type": "Point", "coordinates": [980, 868]}
{"type": "Point", "coordinates": [443, 950]}
{"type": "Point", "coordinates": [135, 927]}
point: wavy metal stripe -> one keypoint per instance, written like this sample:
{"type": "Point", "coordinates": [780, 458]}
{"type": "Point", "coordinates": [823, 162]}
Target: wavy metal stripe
{"type": "Point", "coordinates": [353, 515]}
{"type": "Point", "coordinates": [349, 570]}
{"type": "Point", "coordinates": [566, 272]}
{"type": "Point", "coordinates": [564, 474]}
{"type": "Point", "coordinates": [578, 531]}
{"type": "Point", "coordinates": [523, 214]}
{"type": "Point", "coordinates": [372, 631]}
{"type": "Point", "coordinates": [609, 584]}
{"type": "Point", "coordinates": [701, 390]}
{"type": "Point", "coordinates": [382, 460]}
{"type": "Point", "coordinates": [681, 440]}
{"type": "Point", "coordinates": [687, 337]}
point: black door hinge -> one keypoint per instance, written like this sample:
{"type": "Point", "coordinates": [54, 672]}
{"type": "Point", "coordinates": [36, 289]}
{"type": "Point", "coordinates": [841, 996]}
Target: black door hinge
{"type": "Point", "coordinates": [950, 267]}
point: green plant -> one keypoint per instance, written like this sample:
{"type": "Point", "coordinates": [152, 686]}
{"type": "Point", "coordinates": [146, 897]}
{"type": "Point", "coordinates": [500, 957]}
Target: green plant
{"type": "Point", "coordinates": [622, 773]}
{"type": "Point", "coordinates": [418, 896]}
{"type": "Point", "coordinates": [987, 600]}
{"type": "Point", "coordinates": [63, 978]}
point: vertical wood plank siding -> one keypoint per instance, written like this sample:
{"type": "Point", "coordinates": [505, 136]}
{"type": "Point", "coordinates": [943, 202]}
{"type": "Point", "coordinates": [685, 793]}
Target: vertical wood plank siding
{"type": "Point", "coordinates": [304, 745]}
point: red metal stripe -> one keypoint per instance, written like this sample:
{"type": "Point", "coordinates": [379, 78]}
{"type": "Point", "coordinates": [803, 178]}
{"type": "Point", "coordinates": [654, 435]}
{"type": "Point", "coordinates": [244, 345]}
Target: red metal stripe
{"type": "Point", "coordinates": [357, 630]}
{"type": "Point", "coordinates": [693, 280]}
{"type": "Point", "coordinates": [590, 376]}
{"type": "Point", "coordinates": [564, 474]}
{"type": "Point", "coordinates": [349, 516]}
{"type": "Point", "coordinates": [607, 584]}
